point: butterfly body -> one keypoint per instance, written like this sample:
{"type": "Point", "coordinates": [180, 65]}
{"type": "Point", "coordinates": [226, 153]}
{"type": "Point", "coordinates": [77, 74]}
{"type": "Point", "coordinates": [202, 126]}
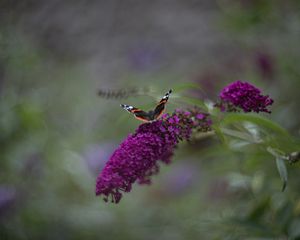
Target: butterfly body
{"type": "Point", "coordinates": [150, 115]}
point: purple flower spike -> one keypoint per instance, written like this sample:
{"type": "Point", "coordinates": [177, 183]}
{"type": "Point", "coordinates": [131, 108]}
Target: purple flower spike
{"type": "Point", "coordinates": [244, 96]}
{"type": "Point", "coordinates": [137, 157]}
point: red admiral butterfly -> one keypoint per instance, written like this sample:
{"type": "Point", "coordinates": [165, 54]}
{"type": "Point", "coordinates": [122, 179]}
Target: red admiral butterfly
{"type": "Point", "coordinates": [152, 114]}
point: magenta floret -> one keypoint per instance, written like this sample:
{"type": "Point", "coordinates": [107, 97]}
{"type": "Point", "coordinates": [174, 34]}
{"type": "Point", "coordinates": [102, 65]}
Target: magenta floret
{"type": "Point", "coordinates": [242, 95]}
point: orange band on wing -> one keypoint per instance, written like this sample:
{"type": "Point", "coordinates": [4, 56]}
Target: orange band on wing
{"type": "Point", "coordinates": [163, 101]}
{"type": "Point", "coordinates": [136, 110]}
{"type": "Point", "coordinates": [142, 119]}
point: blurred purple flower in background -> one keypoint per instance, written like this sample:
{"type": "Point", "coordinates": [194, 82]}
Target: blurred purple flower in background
{"type": "Point", "coordinates": [7, 198]}
{"type": "Point", "coordinates": [96, 156]}
{"type": "Point", "coordinates": [145, 57]}
{"type": "Point", "coordinates": [265, 65]}
{"type": "Point", "coordinates": [242, 95]}
{"type": "Point", "coordinates": [137, 157]}
{"type": "Point", "coordinates": [180, 178]}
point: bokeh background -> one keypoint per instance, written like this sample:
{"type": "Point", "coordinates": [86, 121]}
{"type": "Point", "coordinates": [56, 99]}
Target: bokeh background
{"type": "Point", "coordinates": [56, 133]}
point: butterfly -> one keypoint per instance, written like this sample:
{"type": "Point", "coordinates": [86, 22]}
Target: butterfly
{"type": "Point", "coordinates": [152, 114]}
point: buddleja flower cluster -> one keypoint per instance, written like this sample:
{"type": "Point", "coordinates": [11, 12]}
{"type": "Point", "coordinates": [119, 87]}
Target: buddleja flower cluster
{"type": "Point", "coordinates": [242, 95]}
{"type": "Point", "coordinates": [138, 157]}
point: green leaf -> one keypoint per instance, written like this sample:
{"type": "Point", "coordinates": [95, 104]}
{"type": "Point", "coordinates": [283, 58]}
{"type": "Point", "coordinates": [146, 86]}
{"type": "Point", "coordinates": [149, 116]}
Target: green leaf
{"type": "Point", "coordinates": [254, 131]}
{"type": "Point", "coordinates": [258, 120]}
{"type": "Point", "coordinates": [219, 133]}
{"type": "Point", "coordinates": [241, 135]}
{"type": "Point", "coordinates": [276, 152]}
{"type": "Point", "coordinates": [258, 211]}
{"type": "Point", "coordinates": [282, 171]}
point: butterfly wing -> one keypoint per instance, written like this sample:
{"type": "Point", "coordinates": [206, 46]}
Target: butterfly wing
{"type": "Point", "coordinates": [138, 113]}
{"type": "Point", "coordinates": [160, 107]}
